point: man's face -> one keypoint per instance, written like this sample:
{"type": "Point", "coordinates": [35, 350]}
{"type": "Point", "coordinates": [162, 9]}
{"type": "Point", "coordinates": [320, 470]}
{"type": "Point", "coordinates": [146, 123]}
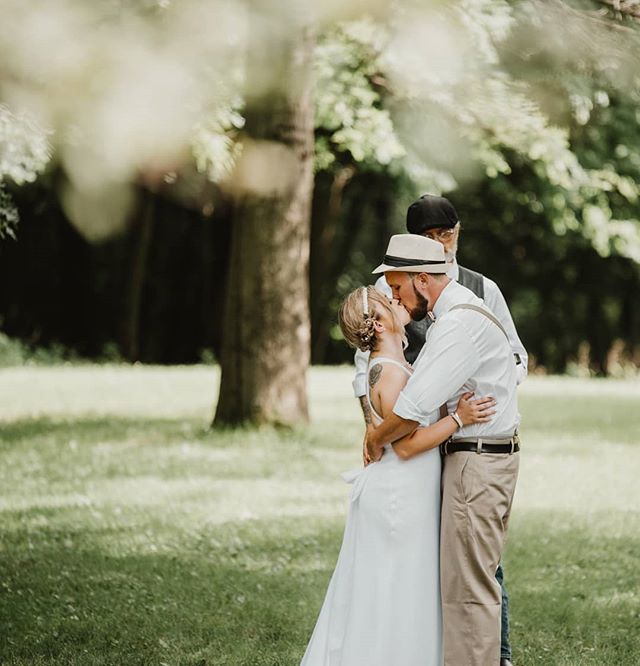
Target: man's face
{"type": "Point", "coordinates": [448, 238]}
{"type": "Point", "coordinates": [405, 292]}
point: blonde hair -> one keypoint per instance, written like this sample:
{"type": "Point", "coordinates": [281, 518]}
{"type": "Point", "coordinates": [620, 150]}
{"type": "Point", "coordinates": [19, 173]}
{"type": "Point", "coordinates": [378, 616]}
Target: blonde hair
{"type": "Point", "coordinates": [356, 326]}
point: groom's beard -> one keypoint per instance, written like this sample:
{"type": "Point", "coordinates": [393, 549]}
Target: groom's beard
{"type": "Point", "coordinates": [420, 311]}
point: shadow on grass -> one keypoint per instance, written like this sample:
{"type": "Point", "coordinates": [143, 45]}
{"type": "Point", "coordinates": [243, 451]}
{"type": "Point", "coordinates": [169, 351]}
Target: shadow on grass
{"type": "Point", "coordinates": [589, 418]}
{"type": "Point", "coordinates": [248, 593]}
{"type": "Point", "coordinates": [95, 429]}
{"type": "Point", "coordinates": [242, 595]}
{"type": "Point", "coordinates": [99, 428]}
{"type": "Point", "coordinates": [46, 456]}
{"type": "Point", "coordinates": [573, 583]}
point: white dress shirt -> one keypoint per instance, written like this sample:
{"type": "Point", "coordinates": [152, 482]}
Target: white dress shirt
{"type": "Point", "coordinates": [464, 351]}
{"type": "Point", "coordinates": [493, 299]}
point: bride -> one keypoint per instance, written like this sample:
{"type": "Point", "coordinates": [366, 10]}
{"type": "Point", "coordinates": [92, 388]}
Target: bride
{"type": "Point", "coordinates": [382, 607]}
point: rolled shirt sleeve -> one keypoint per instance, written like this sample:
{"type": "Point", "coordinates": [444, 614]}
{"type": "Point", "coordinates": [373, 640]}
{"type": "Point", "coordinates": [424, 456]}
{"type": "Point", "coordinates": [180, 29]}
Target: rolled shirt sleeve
{"type": "Point", "coordinates": [496, 302]}
{"type": "Point", "coordinates": [449, 361]}
{"type": "Point", "coordinates": [407, 409]}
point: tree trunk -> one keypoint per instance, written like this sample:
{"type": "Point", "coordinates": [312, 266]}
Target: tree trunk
{"type": "Point", "coordinates": [138, 274]}
{"type": "Point", "coordinates": [322, 276]}
{"type": "Point", "coordinates": [265, 348]}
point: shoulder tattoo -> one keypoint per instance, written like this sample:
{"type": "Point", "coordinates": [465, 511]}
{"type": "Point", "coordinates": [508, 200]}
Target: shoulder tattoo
{"type": "Point", "coordinates": [374, 375]}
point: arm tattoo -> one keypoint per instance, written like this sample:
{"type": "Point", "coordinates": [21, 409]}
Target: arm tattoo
{"type": "Point", "coordinates": [374, 375]}
{"type": "Point", "coordinates": [366, 410]}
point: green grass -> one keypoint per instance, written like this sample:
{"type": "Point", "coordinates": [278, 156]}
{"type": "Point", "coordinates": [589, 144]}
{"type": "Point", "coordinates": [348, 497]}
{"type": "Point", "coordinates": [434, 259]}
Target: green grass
{"type": "Point", "coordinates": [131, 534]}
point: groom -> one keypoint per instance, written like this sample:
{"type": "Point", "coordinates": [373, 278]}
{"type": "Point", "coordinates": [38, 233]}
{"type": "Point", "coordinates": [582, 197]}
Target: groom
{"type": "Point", "coordinates": [467, 349]}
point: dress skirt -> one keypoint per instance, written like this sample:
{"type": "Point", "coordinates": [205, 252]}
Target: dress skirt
{"type": "Point", "coordinates": [382, 607]}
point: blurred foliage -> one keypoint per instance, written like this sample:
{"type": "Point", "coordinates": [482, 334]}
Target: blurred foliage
{"type": "Point", "coordinates": [351, 123]}
{"type": "Point", "coordinates": [24, 152]}
{"type": "Point", "coordinates": [531, 130]}
{"type": "Point", "coordinates": [16, 352]}
{"type": "Point", "coordinates": [214, 149]}
{"type": "Point", "coordinates": [569, 248]}
{"type": "Point", "coordinates": [552, 131]}
{"type": "Point", "coordinates": [24, 148]}
{"type": "Point", "coordinates": [9, 216]}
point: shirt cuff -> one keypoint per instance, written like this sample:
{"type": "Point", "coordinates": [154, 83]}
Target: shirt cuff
{"type": "Point", "coordinates": [406, 409]}
{"type": "Point", "coordinates": [359, 386]}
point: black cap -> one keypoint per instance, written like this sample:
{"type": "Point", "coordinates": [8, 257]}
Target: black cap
{"type": "Point", "coordinates": [429, 212]}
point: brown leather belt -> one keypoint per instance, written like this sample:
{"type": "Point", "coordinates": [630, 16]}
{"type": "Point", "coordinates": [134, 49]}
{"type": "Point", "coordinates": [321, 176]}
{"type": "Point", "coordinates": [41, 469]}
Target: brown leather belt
{"type": "Point", "coordinates": [482, 445]}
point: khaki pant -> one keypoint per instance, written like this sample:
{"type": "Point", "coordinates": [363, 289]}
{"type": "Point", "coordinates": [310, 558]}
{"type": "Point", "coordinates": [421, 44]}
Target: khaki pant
{"type": "Point", "coordinates": [477, 493]}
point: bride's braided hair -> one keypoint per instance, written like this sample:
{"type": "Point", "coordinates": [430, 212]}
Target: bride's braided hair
{"type": "Point", "coordinates": [358, 312]}
{"type": "Point", "coordinates": [367, 332]}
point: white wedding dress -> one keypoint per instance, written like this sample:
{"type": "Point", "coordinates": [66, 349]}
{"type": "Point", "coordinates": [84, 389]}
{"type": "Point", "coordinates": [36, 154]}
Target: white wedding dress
{"type": "Point", "coordinates": [382, 607]}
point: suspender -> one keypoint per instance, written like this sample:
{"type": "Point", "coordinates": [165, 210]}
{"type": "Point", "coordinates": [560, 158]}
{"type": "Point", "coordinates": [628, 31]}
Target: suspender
{"type": "Point", "coordinates": [416, 330]}
{"type": "Point", "coordinates": [483, 311]}
{"type": "Point", "coordinates": [488, 315]}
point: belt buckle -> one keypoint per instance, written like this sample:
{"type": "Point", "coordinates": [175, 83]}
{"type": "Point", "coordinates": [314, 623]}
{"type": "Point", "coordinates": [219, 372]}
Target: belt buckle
{"type": "Point", "coordinates": [444, 446]}
{"type": "Point", "coordinates": [479, 445]}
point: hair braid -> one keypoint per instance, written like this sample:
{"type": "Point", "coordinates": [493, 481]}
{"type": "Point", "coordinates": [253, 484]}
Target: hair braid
{"type": "Point", "coordinates": [367, 334]}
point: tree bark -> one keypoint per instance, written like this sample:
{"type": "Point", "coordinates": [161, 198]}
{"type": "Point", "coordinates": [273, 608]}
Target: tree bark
{"type": "Point", "coordinates": [265, 347]}
{"type": "Point", "coordinates": [137, 280]}
{"type": "Point", "coordinates": [323, 234]}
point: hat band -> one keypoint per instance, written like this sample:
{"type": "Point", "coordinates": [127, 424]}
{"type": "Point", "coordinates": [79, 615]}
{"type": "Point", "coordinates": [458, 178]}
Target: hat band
{"type": "Point", "coordinates": [390, 260]}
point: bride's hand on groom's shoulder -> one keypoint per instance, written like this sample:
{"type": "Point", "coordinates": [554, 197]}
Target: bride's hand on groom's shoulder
{"type": "Point", "coordinates": [475, 410]}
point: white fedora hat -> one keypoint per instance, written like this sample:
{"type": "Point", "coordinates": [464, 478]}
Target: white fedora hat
{"type": "Point", "coordinates": [414, 254]}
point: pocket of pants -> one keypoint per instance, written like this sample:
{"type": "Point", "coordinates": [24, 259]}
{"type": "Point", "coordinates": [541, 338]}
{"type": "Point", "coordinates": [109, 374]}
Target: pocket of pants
{"type": "Point", "coordinates": [471, 478]}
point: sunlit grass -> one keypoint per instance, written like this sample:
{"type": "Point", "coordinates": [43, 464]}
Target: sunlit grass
{"type": "Point", "coordinates": [132, 534]}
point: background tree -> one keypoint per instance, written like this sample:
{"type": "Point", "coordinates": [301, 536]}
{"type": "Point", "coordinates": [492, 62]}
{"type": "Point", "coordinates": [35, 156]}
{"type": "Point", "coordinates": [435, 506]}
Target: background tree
{"type": "Point", "coordinates": [124, 243]}
{"type": "Point", "coordinates": [265, 345]}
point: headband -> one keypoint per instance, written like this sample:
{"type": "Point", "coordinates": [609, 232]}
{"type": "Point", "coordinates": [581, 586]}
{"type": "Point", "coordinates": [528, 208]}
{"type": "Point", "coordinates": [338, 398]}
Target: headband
{"type": "Point", "coordinates": [365, 302]}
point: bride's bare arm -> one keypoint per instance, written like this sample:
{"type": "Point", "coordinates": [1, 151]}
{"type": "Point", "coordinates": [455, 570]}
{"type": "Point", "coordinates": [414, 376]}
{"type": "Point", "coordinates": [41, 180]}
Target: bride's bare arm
{"type": "Point", "coordinates": [424, 439]}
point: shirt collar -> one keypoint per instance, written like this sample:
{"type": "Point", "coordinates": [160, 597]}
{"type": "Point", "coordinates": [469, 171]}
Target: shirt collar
{"type": "Point", "coordinates": [445, 300]}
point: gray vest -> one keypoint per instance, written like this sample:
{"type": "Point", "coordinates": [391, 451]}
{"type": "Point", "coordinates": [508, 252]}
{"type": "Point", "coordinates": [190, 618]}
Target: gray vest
{"type": "Point", "coordinates": [417, 330]}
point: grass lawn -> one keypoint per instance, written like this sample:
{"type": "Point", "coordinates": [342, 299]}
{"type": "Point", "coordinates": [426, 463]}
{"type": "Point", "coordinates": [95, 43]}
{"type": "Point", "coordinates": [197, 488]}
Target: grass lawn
{"type": "Point", "coordinates": [131, 534]}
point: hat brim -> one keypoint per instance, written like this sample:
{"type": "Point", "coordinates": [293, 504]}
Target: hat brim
{"type": "Point", "coordinates": [418, 268]}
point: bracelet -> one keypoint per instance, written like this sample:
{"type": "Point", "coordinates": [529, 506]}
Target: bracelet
{"type": "Point", "coordinates": [457, 419]}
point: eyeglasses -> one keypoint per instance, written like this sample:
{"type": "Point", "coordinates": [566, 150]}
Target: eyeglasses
{"type": "Point", "coordinates": [439, 234]}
